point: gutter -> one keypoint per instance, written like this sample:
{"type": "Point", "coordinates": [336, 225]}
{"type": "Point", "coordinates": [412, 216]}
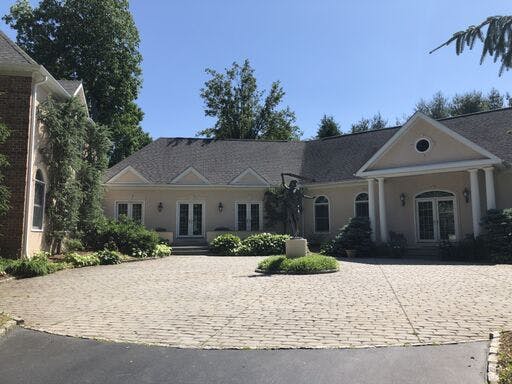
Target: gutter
{"type": "Point", "coordinates": [30, 165]}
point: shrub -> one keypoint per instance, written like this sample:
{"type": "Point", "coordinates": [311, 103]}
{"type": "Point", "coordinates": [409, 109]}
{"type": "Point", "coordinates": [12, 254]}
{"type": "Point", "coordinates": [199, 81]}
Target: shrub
{"type": "Point", "coordinates": [497, 235]}
{"type": "Point", "coordinates": [78, 260]}
{"type": "Point", "coordinates": [312, 263]}
{"type": "Point", "coordinates": [469, 250]}
{"type": "Point", "coordinates": [73, 245]}
{"type": "Point", "coordinates": [355, 235]}
{"type": "Point", "coordinates": [162, 250]}
{"type": "Point", "coordinates": [226, 244]}
{"type": "Point", "coordinates": [263, 244]}
{"type": "Point", "coordinates": [128, 236]}
{"type": "Point", "coordinates": [108, 257]}
{"type": "Point", "coordinates": [28, 268]}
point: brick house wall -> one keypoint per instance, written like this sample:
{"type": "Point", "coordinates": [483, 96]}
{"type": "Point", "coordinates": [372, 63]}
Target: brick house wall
{"type": "Point", "coordinates": [15, 94]}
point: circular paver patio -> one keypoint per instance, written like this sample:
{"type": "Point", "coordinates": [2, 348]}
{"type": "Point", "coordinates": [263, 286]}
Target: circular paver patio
{"type": "Point", "coordinates": [219, 302]}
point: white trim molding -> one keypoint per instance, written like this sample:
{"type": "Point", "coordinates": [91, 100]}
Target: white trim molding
{"type": "Point", "coordinates": [250, 171]}
{"type": "Point", "coordinates": [125, 170]}
{"type": "Point", "coordinates": [194, 172]}
{"type": "Point", "coordinates": [363, 171]}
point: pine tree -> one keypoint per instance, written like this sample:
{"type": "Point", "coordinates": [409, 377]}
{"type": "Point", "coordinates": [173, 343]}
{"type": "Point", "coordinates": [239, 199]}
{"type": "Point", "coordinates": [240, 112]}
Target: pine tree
{"type": "Point", "coordinates": [328, 127]}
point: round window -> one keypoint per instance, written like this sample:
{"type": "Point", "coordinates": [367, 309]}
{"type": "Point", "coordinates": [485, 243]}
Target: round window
{"type": "Point", "coordinates": [422, 145]}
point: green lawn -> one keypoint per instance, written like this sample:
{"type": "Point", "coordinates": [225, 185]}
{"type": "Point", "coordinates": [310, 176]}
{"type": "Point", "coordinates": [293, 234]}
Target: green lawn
{"type": "Point", "coordinates": [312, 263]}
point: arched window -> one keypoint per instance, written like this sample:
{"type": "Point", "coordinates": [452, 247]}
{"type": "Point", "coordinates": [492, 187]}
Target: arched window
{"type": "Point", "coordinates": [39, 200]}
{"type": "Point", "coordinates": [321, 214]}
{"type": "Point", "coordinates": [361, 205]}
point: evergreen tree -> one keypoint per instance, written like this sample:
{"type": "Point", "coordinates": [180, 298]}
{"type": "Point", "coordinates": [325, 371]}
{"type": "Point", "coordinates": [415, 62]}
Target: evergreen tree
{"type": "Point", "coordinates": [497, 42]}
{"type": "Point", "coordinates": [468, 102]}
{"type": "Point", "coordinates": [437, 108]}
{"type": "Point", "coordinates": [95, 41]}
{"type": "Point", "coordinates": [328, 127]}
{"type": "Point", "coordinates": [241, 110]}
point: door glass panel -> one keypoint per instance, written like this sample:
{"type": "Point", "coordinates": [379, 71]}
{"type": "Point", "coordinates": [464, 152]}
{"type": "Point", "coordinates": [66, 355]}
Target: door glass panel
{"type": "Point", "coordinates": [242, 217]}
{"type": "Point", "coordinates": [255, 217]}
{"type": "Point", "coordinates": [426, 220]}
{"type": "Point", "coordinates": [446, 219]}
{"type": "Point", "coordinates": [183, 219]}
{"type": "Point", "coordinates": [197, 220]}
{"type": "Point", "coordinates": [137, 213]}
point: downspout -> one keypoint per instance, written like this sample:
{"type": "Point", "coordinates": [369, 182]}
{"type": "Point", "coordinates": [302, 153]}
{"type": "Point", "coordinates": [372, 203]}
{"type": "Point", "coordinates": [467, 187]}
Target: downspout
{"type": "Point", "coordinates": [30, 165]}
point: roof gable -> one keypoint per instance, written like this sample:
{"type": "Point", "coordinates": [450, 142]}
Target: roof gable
{"type": "Point", "coordinates": [128, 175]}
{"type": "Point", "coordinates": [249, 177]}
{"type": "Point", "coordinates": [445, 147]}
{"type": "Point", "coordinates": [190, 176]}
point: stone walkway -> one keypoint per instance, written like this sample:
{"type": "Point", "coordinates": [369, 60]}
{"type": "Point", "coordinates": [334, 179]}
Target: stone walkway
{"type": "Point", "coordinates": [219, 302]}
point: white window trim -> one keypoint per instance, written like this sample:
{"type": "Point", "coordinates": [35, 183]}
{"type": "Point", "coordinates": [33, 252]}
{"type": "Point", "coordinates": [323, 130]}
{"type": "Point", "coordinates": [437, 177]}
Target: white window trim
{"type": "Point", "coordinates": [361, 201]}
{"type": "Point", "coordinates": [248, 213]}
{"type": "Point", "coordinates": [328, 214]}
{"type": "Point", "coordinates": [130, 208]}
{"type": "Point", "coordinates": [429, 145]}
{"type": "Point", "coordinates": [37, 229]}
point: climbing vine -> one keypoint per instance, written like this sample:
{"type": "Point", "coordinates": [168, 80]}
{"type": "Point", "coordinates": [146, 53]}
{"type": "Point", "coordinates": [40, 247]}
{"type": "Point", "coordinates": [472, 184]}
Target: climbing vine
{"type": "Point", "coordinates": [75, 152]}
{"type": "Point", "coordinates": [4, 191]}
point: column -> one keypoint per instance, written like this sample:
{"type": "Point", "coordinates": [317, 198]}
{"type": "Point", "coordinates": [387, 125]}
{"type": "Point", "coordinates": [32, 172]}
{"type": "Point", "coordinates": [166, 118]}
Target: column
{"type": "Point", "coordinates": [489, 188]}
{"type": "Point", "coordinates": [382, 211]}
{"type": "Point", "coordinates": [371, 207]}
{"type": "Point", "coordinates": [475, 200]}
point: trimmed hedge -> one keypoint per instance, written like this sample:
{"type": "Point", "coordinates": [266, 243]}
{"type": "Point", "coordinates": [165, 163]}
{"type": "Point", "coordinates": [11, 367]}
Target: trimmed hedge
{"type": "Point", "coordinates": [261, 244]}
{"type": "Point", "coordinates": [312, 263]}
{"type": "Point", "coordinates": [126, 236]}
{"type": "Point", "coordinates": [226, 244]}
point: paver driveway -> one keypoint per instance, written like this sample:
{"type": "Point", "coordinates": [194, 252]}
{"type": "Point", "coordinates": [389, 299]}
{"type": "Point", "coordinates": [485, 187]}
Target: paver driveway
{"type": "Point", "coordinates": [219, 302]}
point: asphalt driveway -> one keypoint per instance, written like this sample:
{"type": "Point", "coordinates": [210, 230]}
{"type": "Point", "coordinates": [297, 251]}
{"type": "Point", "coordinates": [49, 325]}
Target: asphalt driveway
{"type": "Point", "coordinates": [32, 357]}
{"type": "Point", "coordinates": [219, 302]}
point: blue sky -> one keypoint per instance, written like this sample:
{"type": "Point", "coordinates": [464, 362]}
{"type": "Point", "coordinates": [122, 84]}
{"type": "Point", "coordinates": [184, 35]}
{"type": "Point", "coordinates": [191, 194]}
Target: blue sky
{"type": "Point", "coordinates": [349, 59]}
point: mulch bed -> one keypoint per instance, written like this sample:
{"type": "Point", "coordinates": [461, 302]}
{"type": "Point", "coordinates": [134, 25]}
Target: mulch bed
{"type": "Point", "coordinates": [505, 358]}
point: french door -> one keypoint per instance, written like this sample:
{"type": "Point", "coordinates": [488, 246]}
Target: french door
{"type": "Point", "coordinates": [248, 216]}
{"type": "Point", "coordinates": [435, 219]}
{"type": "Point", "coordinates": [190, 219]}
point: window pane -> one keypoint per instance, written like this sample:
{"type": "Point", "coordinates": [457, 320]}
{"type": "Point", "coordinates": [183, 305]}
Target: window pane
{"type": "Point", "coordinates": [362, 209]}
{"type": "Point", "coordinates": [183, 220]}
{"type": "Point", "coordinates": [137, 213]}
{"type": "Point", "coordinates": [197, 219]}
{"type": "Point", "coordinates": [321, 200]}
{"type": "Point", "coordinates": [122, 209]}
{"type": "Point", "coordinates": [322, 218]}
{"type": "Point", "coordinates": [362, 197]}
{"type": "Point", "coordinates": [255, 217]}
{"type": "Point", "coordinates": [39, 194]}
{"type": "Point", "coordinates": [434, 194]}
{"type": "Point", "coordinates": [242, 217]}
{"type": "Point", "coordinates": [37, 219]}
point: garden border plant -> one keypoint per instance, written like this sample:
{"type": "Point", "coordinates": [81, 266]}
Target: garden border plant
{"type": "Point", "coordinates": [260, 244]}
{"type": "Point", "coordinates": [313, 263]}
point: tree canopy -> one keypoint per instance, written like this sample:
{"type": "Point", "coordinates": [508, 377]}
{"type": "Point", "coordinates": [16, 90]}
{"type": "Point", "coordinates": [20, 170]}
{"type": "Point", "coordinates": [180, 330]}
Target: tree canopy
{"type": "Point", "coordinates": [328, 127]}
{"type": "Point", "coordinates": [242, 111]}
{"type": "Point", "coordinates": [440, 106]}
{"type": "Point", "coordinates": [497, 42]}
{"type": "Point", "coordinates": [95, 41]}
{"type": "Point", "coordinates": [369, 124]}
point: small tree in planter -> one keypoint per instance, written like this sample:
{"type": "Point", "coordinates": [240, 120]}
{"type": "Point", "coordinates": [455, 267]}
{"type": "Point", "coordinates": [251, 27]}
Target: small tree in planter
{"type": "Point", "coordinates": [354, 239]}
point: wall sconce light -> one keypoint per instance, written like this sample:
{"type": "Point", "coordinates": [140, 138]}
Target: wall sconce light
{"type": "Point", "coordinates": [160, 207]}
{"type": "Point", "coordinates": [466, 193]}
{"type": "Point", "coordinates": [402, 199]}
{"type": "Point", "coordinates": [221, 207]}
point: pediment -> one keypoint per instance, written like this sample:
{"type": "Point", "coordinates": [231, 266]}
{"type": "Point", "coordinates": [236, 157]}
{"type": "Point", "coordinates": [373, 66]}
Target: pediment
{"type": "Point", "coordinates": [128, 175]}
{"type": "Point", "coordinates": [405, 150]}
{"type": "Point", "coordinates": [249, 177]}
{"type": "Point", "coordinates": [190, 176]}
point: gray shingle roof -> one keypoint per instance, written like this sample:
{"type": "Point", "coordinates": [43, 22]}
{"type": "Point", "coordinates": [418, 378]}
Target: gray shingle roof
{"type": "Point", "coordinates": [70, 85]}
{"type": "Point", "coordinates": [328, 160]}
{"type": "Point", "coordinates": [11, 54]}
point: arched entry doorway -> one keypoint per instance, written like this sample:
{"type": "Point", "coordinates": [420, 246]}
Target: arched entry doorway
{"type": "Point", "coordinates": [436, 216]}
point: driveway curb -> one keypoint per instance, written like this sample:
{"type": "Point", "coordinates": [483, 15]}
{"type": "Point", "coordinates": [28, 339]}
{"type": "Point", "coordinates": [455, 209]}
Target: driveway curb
{"type": "Point", "coordinates": [11, 322]}
{"type": "Point", "coordinates": [492, 358]}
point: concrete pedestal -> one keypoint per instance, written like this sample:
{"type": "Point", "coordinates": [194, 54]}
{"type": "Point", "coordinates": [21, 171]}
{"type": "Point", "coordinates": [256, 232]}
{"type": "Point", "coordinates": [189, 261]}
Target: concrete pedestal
{"type": "Point", "coordinates": [296, 247]}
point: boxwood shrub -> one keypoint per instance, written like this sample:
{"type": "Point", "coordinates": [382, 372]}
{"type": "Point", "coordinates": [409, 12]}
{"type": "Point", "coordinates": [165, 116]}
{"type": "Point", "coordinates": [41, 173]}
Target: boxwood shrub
{"type": "Point", "coordinates": [226, 244]}
{"type": "Point", "coordinates": [356, 235]}
{"type": "Point", "coordinates": [497, 235]}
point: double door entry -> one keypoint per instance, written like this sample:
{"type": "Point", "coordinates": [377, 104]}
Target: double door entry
{"type": "Point", "coordinates": [435, 216]}
{"type": "Point", "coordinates": [190, 219]}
